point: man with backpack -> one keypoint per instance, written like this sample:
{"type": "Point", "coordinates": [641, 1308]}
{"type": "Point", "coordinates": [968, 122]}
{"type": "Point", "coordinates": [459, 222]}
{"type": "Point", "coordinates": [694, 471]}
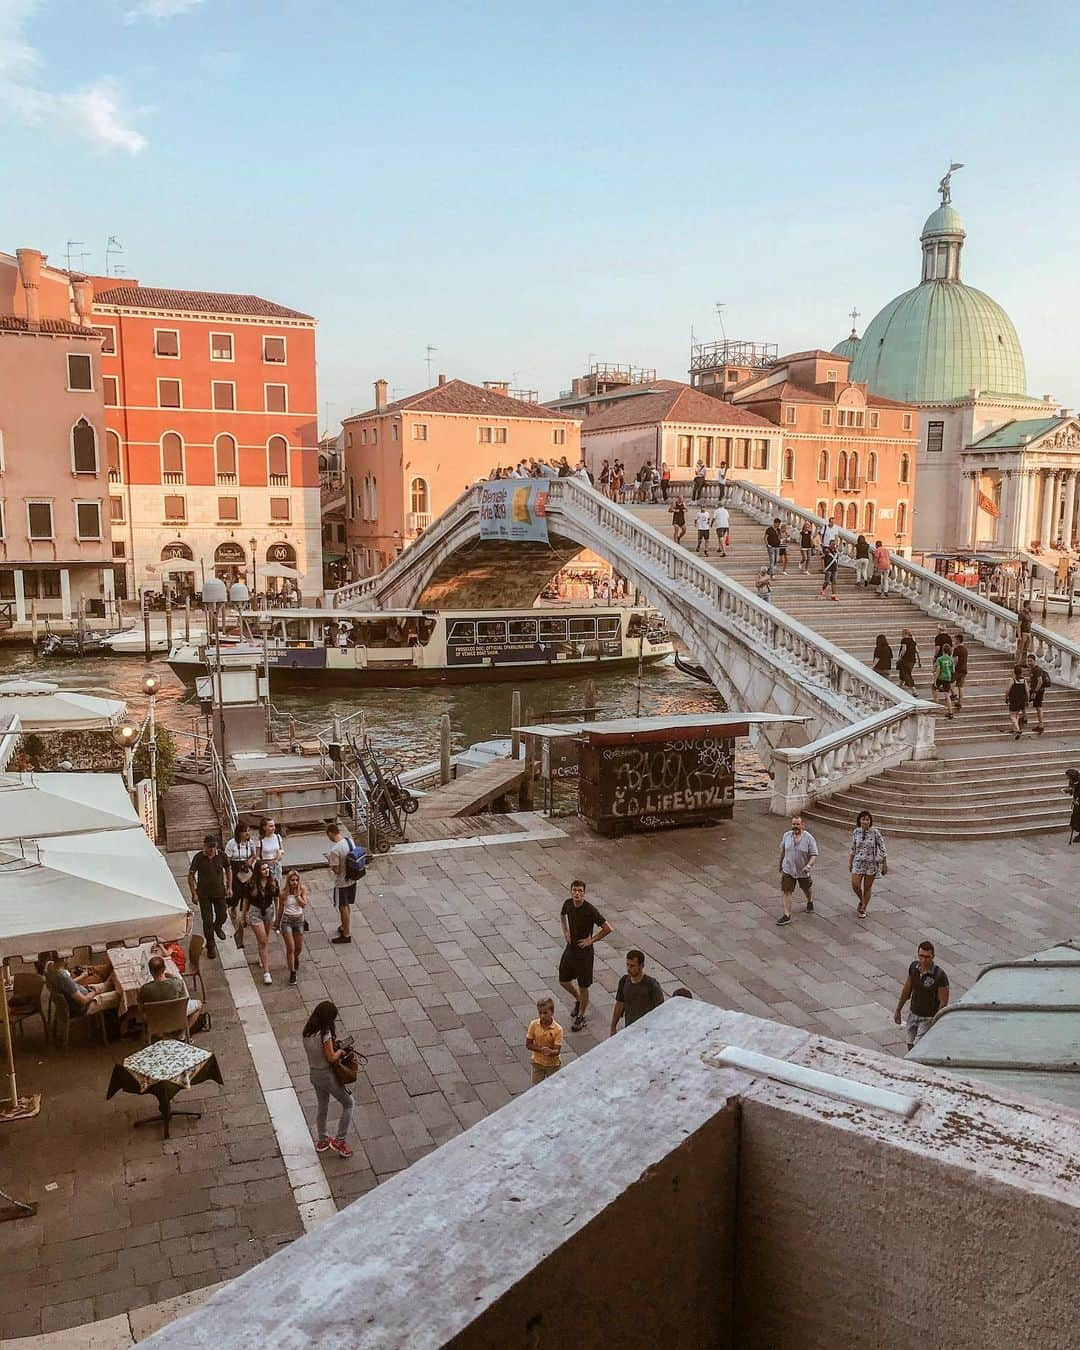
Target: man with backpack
{"type": "Point", "coordinates": [1038, 682]}
{"type": "Point", "coordinates": [347, 863]}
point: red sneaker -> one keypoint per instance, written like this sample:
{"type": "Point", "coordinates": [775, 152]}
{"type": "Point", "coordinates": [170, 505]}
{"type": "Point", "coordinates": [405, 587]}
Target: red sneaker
{"type": "Point", "coordinates": [340, 1146]}
{"type": "Point", "coordinates": [321, 1145]}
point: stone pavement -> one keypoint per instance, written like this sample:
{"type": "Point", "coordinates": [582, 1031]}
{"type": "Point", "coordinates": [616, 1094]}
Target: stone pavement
{"type": "Point", "coordinates": [451, 948]}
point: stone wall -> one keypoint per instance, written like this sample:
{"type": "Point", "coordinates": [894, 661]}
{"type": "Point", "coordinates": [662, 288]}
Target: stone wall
{"type": "Point", "coordinates": [87, 751]}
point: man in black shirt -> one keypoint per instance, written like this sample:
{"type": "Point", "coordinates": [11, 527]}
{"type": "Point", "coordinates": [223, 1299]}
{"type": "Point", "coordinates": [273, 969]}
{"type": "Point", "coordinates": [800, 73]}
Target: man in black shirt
{"type": "Point", "coordinates": [208, 880]}
{"type": "Point", "coordinates": [1037, 683]}
{"type": "Point", "coordinates": [773, 539]}
{"type": "Point", "coordinates": [637, 993]}
{"type": "Point", "coordinates": [578, 919]}
{"type": "Point", "coordinates": [927, 986]}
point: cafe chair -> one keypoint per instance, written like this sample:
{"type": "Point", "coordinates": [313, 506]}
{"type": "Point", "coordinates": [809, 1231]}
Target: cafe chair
{"type": "Point", "coordinates": [167, 1018]}
{"type": "Point", "coordinates": [62, 1020]}
{"type": "Point", "coordinates": [25, 1001]}
{"type": "Point", "coordinates": [196, 944]}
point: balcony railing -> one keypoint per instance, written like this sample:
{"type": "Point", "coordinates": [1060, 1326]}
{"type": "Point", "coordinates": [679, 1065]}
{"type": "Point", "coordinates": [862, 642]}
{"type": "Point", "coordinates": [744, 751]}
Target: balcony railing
{"type": "Point", "coordinates": [848, 483]}
{"type": "Point", "coordinates": [173, 478]}
{"type": "Point", "coordinates": [226, 478]}
{"type": "Point", "coordinates": [114, 476]}
{"type": "Point", "coordinates": [279, 480]}
{"type": "Point", "coordinates": [418, 520]}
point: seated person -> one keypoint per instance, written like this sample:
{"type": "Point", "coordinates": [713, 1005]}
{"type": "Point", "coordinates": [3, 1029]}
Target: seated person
{"type": "Point", "coordinates": [162, 988]}
{"type": "Point", "coordinates": [85, 993]}
{"type": "Point", "coordinates": [173, 951]}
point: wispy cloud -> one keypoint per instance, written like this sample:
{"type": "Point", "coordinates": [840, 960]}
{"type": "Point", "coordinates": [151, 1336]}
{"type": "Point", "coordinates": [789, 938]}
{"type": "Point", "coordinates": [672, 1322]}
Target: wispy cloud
{"type": "Point", "coordinates": [97, 112]}
{"type": "Point", "coordinates": [160, 9]}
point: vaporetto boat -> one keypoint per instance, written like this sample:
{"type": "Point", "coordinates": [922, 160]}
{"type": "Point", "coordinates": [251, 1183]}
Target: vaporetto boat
{"type": "Point", "coordinates": [402, 648]}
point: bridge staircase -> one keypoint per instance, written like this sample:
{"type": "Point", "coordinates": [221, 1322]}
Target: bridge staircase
{"type": "Point", "coordinates": [981, 783]}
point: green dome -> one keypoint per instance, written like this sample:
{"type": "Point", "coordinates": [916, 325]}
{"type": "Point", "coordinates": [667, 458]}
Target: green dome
{"type": "Point", "coordinates": [849, 347]}
{"type": "Point", "coordinates": [942, 339]}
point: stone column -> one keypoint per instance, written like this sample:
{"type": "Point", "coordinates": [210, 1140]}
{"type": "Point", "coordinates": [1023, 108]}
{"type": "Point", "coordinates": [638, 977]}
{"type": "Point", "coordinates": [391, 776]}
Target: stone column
{"type": "Point", "coordinates": [1005, 534]}
{"type": "Point", "coordinates": [1070, 506]}
{"type": "Point", "coordinates": [969, 509]}
{"type": "Point", "coordinates": [65, 593]}
{"type": "Point", "coordinates": [1045, 535]}
{"type": "Point", "coordinates": [20, 595]}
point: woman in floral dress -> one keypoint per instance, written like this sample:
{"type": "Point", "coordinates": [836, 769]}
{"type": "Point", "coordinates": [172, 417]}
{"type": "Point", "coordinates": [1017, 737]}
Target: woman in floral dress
{"type": "Point", "coordinates": [867, 860]}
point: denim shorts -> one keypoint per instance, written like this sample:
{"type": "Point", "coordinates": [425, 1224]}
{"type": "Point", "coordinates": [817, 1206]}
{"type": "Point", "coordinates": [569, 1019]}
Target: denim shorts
{"type": "Point", "coordinates": [292, 923]}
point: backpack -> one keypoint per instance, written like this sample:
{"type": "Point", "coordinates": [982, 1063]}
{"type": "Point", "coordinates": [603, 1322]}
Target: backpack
{"type": "Point", "coordinates": [1046, 676]}
{"type": "Point", "coordinates": [355, 862]}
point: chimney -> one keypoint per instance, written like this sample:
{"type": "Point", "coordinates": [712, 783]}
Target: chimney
{"type": "Point", "coordinates": [497, 386]}
{"type": "Point", "coordinates": [83, 290]}
{"type": "Point", "coordinates": [442, 380]}
{"type": "Point", "coordinates": [381, 387]}
{"type": "Point", "coordinates": [30, 261]}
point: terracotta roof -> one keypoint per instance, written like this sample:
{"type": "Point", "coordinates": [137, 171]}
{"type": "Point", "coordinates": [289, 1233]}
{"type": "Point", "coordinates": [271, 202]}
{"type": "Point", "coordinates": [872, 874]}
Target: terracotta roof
{"type": "Point", "coordinates": [806, 356]}
{"type": "Point", "coordinates": [786, 392]}
{"type": "Point", "coordinates": [458, 396]}
{"type": "Point", "coordinates": [876, 401]}
{"type": "Point", "coordinates": [670, 401]}
{"type": "Point", "coordinates": [202, 302]}
{"type": "Point", "coordinates": [13, 323]}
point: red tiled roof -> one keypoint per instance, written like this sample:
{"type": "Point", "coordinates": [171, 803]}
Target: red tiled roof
{"type": "Point", "coordinates": [13, 323]}
{"type": "Point", "coordinates": [458, 396]}
{"type": "Point", "coordinates": [806, 356]}
{"type": "Point", "coordinates": [202, 302]}
{"type": "Point", "coordinates": [785, 392]}
{"type": "Point", "coordinates": [671, 401]}
{"type": "Point", "coordinates": [876, 401]}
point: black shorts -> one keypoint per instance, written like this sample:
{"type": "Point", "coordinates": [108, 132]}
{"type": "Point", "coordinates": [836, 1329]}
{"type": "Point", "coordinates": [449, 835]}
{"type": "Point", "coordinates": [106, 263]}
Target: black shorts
{"type": "Point", "coordinates": [1036, 699]}
{"type": "Point", "coordinates": [576, 966]}
{"type": "Point", "coordinates": [788, 884]}
{"type": "Point", "coordinates": [345, 894]}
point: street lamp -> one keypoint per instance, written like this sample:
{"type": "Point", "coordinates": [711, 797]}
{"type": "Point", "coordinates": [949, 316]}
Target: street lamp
{"type": "Point", "coordinates": [254, 568]}
{"type": "Point", "coordinates": [125, 734]}
{"type": "Point", "coordinates": [150, 686]}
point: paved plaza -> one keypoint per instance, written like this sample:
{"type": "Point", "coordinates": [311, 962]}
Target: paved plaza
{"type": "Point", "coordinates": [451, 948]}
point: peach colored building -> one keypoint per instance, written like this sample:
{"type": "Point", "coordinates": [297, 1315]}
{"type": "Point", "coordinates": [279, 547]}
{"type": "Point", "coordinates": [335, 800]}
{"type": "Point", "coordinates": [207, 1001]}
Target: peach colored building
{"type": "Point", "coordinates": [407, 461]}
{"type": "Point", "coordinates": [54, 530]}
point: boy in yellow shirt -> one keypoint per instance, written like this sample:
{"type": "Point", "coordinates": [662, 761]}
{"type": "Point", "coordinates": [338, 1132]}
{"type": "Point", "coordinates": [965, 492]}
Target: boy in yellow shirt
{"type": "Point", "coordinates": [544, 1038]}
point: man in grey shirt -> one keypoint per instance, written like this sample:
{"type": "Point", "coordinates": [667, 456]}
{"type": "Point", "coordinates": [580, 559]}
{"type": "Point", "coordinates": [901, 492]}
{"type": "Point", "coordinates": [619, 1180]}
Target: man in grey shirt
{"type": "Point", "coordinates": [798, 854]}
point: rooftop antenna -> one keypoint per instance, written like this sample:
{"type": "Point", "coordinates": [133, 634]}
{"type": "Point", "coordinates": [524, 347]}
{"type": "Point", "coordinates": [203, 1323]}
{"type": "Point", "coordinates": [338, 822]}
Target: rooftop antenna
{"type": "Point", "coordinates": [112, 247]}
{"type": "Point", "coordinates": [854, 315]}
{"type": "Point", "coordinates": [428, 350]}
{"type": "Point", "coordinates": [720, 307]}
{"type": "Point", "coordinates": [75, 244]}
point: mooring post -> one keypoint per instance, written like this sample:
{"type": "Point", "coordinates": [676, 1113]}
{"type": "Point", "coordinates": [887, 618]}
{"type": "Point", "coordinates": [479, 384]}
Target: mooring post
{"type": "Point", "coordinates": [444, 748]}
{"type": "Point", "coordinates": [515, 721]}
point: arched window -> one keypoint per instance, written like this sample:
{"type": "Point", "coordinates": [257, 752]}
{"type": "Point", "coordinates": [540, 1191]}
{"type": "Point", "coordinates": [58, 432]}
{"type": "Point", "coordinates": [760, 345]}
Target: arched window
{"type": "Point", "coordinates": [225, 458]}
{"type": "Point", "coordinates": [871, 467]}
{"type": "Point", "coordinates": [374, 498]}
{"type": "Point", "coordinates": [789, 465]}
{"type": "Point", "coordinates": [901, 519]}
{"type": "Point", "coordinates": [869, 517]}
{"type": "Point", "coordinates": [822, 510]}
{"type": "Point", "coordinates": [853, 469]}
{"type": "Point", "coordinates": [172, 458]}
{"type": "Point", "coordinates": [365, 498]}
{"type": "Point", "coordinates": [905, 468]}
{"type": "Point", "coordinates": [324, 464]}
{"type": "Point", "coordinates": [112, 456]}
{"type": "Point", "coordinates": [841, 468]}
{"type": "Point", "coordinates": [277, 460]}
{"type": "Point", "coordinates": [823, 467]}
{"type": "Point", "coordinates": [852, 516]}
{"type": "Point", "coordinates": [838, 513]}
{"type": "Point", "coordinates": [419, 497]}
{"type": "Point", "coordinates": [83, 447]}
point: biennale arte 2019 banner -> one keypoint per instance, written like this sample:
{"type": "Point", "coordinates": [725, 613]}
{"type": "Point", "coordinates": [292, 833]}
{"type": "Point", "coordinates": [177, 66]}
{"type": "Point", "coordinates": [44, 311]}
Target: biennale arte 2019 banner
{"type": "Point", "coordinates": [514, 508]}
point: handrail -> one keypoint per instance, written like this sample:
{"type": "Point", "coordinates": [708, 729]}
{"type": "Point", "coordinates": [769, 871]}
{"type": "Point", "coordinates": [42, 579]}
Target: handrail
{"type": "Point", "coordinates": [10, 740]}
{"type": "Point", "coordinates": [220, 790]}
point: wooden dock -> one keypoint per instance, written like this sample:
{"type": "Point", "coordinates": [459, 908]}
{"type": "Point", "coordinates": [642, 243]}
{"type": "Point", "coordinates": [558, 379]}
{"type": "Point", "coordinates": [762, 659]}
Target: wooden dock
{"type": "Point", "coordinates": [189, 815]}
{"type": "Point", "coordinates": [472, 792]}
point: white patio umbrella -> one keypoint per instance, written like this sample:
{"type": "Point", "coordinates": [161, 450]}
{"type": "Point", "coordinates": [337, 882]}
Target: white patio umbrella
{"type": "Point", "coordinates": [39, 704]}
{"type": "Point", "coordinates": [41, 805]}
{"type": "Point", "coordinates": [281, 570]}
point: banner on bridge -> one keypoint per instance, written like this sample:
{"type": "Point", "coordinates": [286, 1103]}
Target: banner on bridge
{"type": "Point", "coordinates": [514, 508]}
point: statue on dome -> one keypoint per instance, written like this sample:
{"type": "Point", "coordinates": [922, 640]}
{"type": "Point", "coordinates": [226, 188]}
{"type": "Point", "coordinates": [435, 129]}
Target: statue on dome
{"type": "Point", "coordinates": [944, 186]}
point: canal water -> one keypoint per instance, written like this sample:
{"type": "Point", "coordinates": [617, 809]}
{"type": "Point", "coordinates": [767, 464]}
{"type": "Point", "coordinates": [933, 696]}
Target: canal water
{"type": "Point", "coordinates": [402, 722]}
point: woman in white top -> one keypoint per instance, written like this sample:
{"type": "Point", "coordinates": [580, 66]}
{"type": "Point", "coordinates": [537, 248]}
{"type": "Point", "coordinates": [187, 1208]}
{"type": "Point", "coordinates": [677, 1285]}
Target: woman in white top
{"type": "Point", "coordinates": [270, 847]}
{"type": "Point", "coordinates": [292, 902]}
{"type": "Point", "coordinates": [240, 853]}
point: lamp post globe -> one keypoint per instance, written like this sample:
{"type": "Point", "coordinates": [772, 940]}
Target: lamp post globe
{"type": "Point", "coordinates": [214, 592]}
{"type": "Point", "coordinates": [239, 593]}
{"type": "Point", "coordinates": [151, 684]}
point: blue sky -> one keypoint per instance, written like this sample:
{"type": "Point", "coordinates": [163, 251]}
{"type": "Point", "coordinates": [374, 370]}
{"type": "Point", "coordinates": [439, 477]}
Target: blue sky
{"type": "Point", "coordinates": [526, 187]}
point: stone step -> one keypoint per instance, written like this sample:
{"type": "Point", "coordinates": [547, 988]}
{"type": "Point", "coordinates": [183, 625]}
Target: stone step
{"type": "Point", "coordinates": [943, 830]}
{"type": "Point", "coordinates": [951, 795]}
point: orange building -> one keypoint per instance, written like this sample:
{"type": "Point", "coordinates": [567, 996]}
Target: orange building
{"type": "Point", "coordinates": [846, 454]}
{"type": "Point", "coordinates": [210, 404]}
{"type": "Point", "coordinates": [407, 461]}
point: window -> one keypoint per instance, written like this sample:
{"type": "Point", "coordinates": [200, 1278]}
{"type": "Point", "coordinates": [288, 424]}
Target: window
{"type": "Point", "coordinates": [168, 393]}
{"type": "Point", "coordinates": [850, 417]}
{"type": "Point", "coordinates": [277, 399]}
{"type": "Point", "coordinates": [172, 458]}
{"type": "Point", "coordinates": [500, 435]}
{"type": "Point", "coordinates": [788, 471]}
{"type": "Point", "coordinates": [906, 421]}
{"type": "Point", "coordinates": [683, 451]}
{"type": "Point", "coordinates": [821, 509]}
{"type": "Point", "coordinates": [608, 628]}
{"type": "Point", "coordinates": [869, 517]}
{"type": "Point", "coordinates": [723, 449]}
{"type": "Point", "coordinates": [83, 447]}
{"type": "Point", "coordinates": [225, 459]}
{"type": "Point", "coordinates": [905, 469]}
{"type": "Point", "coordinates": [552, 630]}
{"type": "Point", "coordinates": [790, 415]}
{"type": "Point", "coordinates": [830, 375]}
{"type": "Point", "coordinates": [483, 435]}
{"type": "Point", "coordinates": [166, 342]}
{"type": "Point", "coordinates": [363, 437]}
{"type": "Point", "coordinates": [221, 347]}
{"type": "Point", "coordinates": [228, 510]}
{"type": "Point", "coordinates": [110, 390]}
{"type": "Point", "coordinates": [116, 509]}
{"type": "Point", "coordinates": [826, 417]}
{"type": "Point", "coordinates": [742, 453]}
{"type": "Point", "coordinates": [222, 395]}
{"type": "Point", "coordinates": [558, 436]}
{"type": "Point", "coordinates": [462, 630]}
{"type": "Point", "coordinates": [823, 467]}
{"type": "Point", "coordinates": [852, 516]}
{"type": "Point", "coordinates": [581, 630]}
{"type": "Point", "coordinates": [80, 372]}
{"type": "Point", "coordinates": [838, 513]}
{"type": "Point", "coordinates": [175, 508]}
{"type": "Point", "coordinates": [274, 350]}
{"type": "Point", "coordinates": [279, 508]}
{"type": "Point", "coordinates": [348, 440]}
{"type": "Point", "coordinates": [871, 467]}
{"type": "Point", "coordinates": [522, 630]}
{"type": "Point", "coordinates": [39, 520]}
{"type": "Point", "coordinates": [277, 460]}
{"type": "Point", "coordinates": [374, 435]}
{"type": "Point", "coordinates": [118, 549]}
{"type": "Point", "coordinates": [112, 457]}
{"type": "Point", "coordinates": [419, 431]}
{"type": "Point", "coordinates": [853, 469]}
{"type": "Point", "coordinates": [419, 497]}
{"type": "Point", "coordinates": [901, 519]}
{"type": "Point", "coordinates": [935, 437]}
{"type": "Point", "coordinates": [108, 340]}
{"type": "Point", "coordinates": [841, 468]}
{"type": "Point", "coordinates": [394, 431]}
{"type": "Point", "coordinates": [875, 421]}
{"type": "Point", "coordinates": [2, 532]}
{"type": "Point", "coordinates": [761, 454]}
{"type": "Point", "coordinates": [87, 520]}
{"type": "Point", "coordinates": [490, 630]}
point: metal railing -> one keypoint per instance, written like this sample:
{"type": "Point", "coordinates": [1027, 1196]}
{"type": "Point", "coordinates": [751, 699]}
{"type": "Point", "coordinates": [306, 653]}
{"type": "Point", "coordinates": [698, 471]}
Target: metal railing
{"type": "Point", "coordinates": [205, 760]}
{"type": "Point", "coordinates": [10, 740]}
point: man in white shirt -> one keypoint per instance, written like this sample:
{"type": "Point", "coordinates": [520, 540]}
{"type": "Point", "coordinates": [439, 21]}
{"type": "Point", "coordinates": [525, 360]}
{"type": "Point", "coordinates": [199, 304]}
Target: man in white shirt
{"type": "Point", "coordinates": [344, 889]}
{"type": "Point", "coordinates": [721, 519]}
{"type": "Point", "coordinates": [702, 522]}
{"type": "Point", "coordinates": [699, 482]}
{"type": "Point", "coordinates": [829, 533]}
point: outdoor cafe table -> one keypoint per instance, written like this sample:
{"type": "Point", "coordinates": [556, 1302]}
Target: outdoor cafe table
{"type": "Point", "coordinates": [164, 1069]}
{"type": "Point", "coordinates": [131, 970]}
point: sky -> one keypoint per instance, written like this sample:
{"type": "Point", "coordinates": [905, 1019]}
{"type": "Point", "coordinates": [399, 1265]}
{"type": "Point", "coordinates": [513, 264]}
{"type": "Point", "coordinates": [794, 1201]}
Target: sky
{"type": "Point", "coordinates": [527, 189]}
